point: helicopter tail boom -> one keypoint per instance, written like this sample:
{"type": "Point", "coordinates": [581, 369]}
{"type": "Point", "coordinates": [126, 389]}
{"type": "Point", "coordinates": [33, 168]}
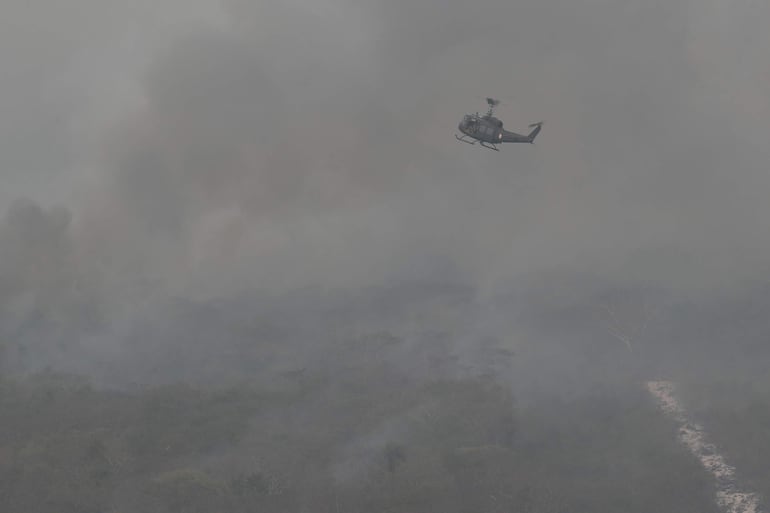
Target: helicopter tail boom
{"type": "Point", "coordinates": [513, 137]}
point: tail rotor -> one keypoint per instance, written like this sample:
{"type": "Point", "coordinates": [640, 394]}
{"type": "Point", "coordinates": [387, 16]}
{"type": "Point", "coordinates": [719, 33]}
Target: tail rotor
{"type": "Point", "coordinates": [536, 130]}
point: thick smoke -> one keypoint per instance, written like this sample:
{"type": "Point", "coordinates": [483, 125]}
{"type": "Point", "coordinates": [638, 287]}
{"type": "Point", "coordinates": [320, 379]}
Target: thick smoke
{"type": "Point", "coordinates": [272, 147]}
{"type": "Point", "coordinates": [263, 157]}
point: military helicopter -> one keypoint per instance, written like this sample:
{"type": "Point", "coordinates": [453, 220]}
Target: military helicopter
{"type": "Point", "coordinates": [488, 130]}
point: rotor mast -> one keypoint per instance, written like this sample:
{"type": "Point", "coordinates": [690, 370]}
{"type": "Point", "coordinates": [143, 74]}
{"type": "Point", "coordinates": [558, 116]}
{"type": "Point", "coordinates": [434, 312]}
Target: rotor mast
{"type": "Point", "coordinates": [492, 104]}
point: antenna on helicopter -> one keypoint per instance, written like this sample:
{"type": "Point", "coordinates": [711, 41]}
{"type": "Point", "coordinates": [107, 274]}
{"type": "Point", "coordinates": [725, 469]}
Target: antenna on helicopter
{"type": "Point", "coordinates": [492, 104]}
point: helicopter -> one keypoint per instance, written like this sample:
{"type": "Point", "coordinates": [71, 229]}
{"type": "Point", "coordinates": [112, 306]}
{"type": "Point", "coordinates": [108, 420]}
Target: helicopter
{"type": "Point", "coordinates": [488, 130]}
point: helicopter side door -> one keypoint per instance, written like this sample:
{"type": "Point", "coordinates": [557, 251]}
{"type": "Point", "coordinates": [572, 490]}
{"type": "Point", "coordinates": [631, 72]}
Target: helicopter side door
{"type": "Point", "coordinates": [487, 133]}
{"type": "Point", "coordinates": [472, 125]}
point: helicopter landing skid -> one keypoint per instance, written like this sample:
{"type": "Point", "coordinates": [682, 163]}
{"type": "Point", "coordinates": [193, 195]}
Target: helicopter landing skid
{"type": "Point", "coordinates": [490, 146]}
{"type": "Point", "coordinates": [464, 140]}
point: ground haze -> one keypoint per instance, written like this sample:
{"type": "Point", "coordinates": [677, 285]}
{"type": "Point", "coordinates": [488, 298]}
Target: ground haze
{"type": "Point", "coordinates": [244, 264]}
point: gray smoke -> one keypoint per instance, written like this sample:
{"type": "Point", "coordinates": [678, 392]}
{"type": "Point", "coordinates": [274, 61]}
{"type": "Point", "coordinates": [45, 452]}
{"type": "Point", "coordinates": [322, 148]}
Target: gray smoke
{"type": "Point", "coordinates": [206, 150]}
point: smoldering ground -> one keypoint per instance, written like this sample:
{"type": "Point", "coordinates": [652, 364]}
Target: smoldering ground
{"type": "Point", "coordinates": [263, 148]}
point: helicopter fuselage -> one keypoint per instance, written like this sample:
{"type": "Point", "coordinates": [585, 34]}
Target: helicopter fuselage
{"type": "Point", "coordinates": [489, 132]}
{"type": "Point", "coordinates": [486, 129]}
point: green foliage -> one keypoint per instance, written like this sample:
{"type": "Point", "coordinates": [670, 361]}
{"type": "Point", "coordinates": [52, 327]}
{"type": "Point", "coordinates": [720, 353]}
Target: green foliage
{"type": "Point", "coordinates": [65, 444]}
{"type": "Point", "coordinates": [187, 491]}
{"type": "Point", "coordinates": [174, 421]}
{"type": "Point", "coordinates": [254, 483]}
{"type": "Point", "coordinates": [365, 440]}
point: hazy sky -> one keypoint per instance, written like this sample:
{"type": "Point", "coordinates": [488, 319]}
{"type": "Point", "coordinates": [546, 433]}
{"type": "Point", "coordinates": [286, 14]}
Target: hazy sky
{"type": "Point", "coordinates": [203, 147]}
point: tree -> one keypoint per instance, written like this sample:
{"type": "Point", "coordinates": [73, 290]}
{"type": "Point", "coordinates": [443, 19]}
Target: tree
{"type": "Point", "coordinates": [394, 456]}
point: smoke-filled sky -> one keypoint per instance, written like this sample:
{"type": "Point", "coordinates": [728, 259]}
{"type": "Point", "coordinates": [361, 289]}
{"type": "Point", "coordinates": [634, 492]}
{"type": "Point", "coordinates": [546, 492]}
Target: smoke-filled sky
{"type": "Point", "coordinates": [201, 148]}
